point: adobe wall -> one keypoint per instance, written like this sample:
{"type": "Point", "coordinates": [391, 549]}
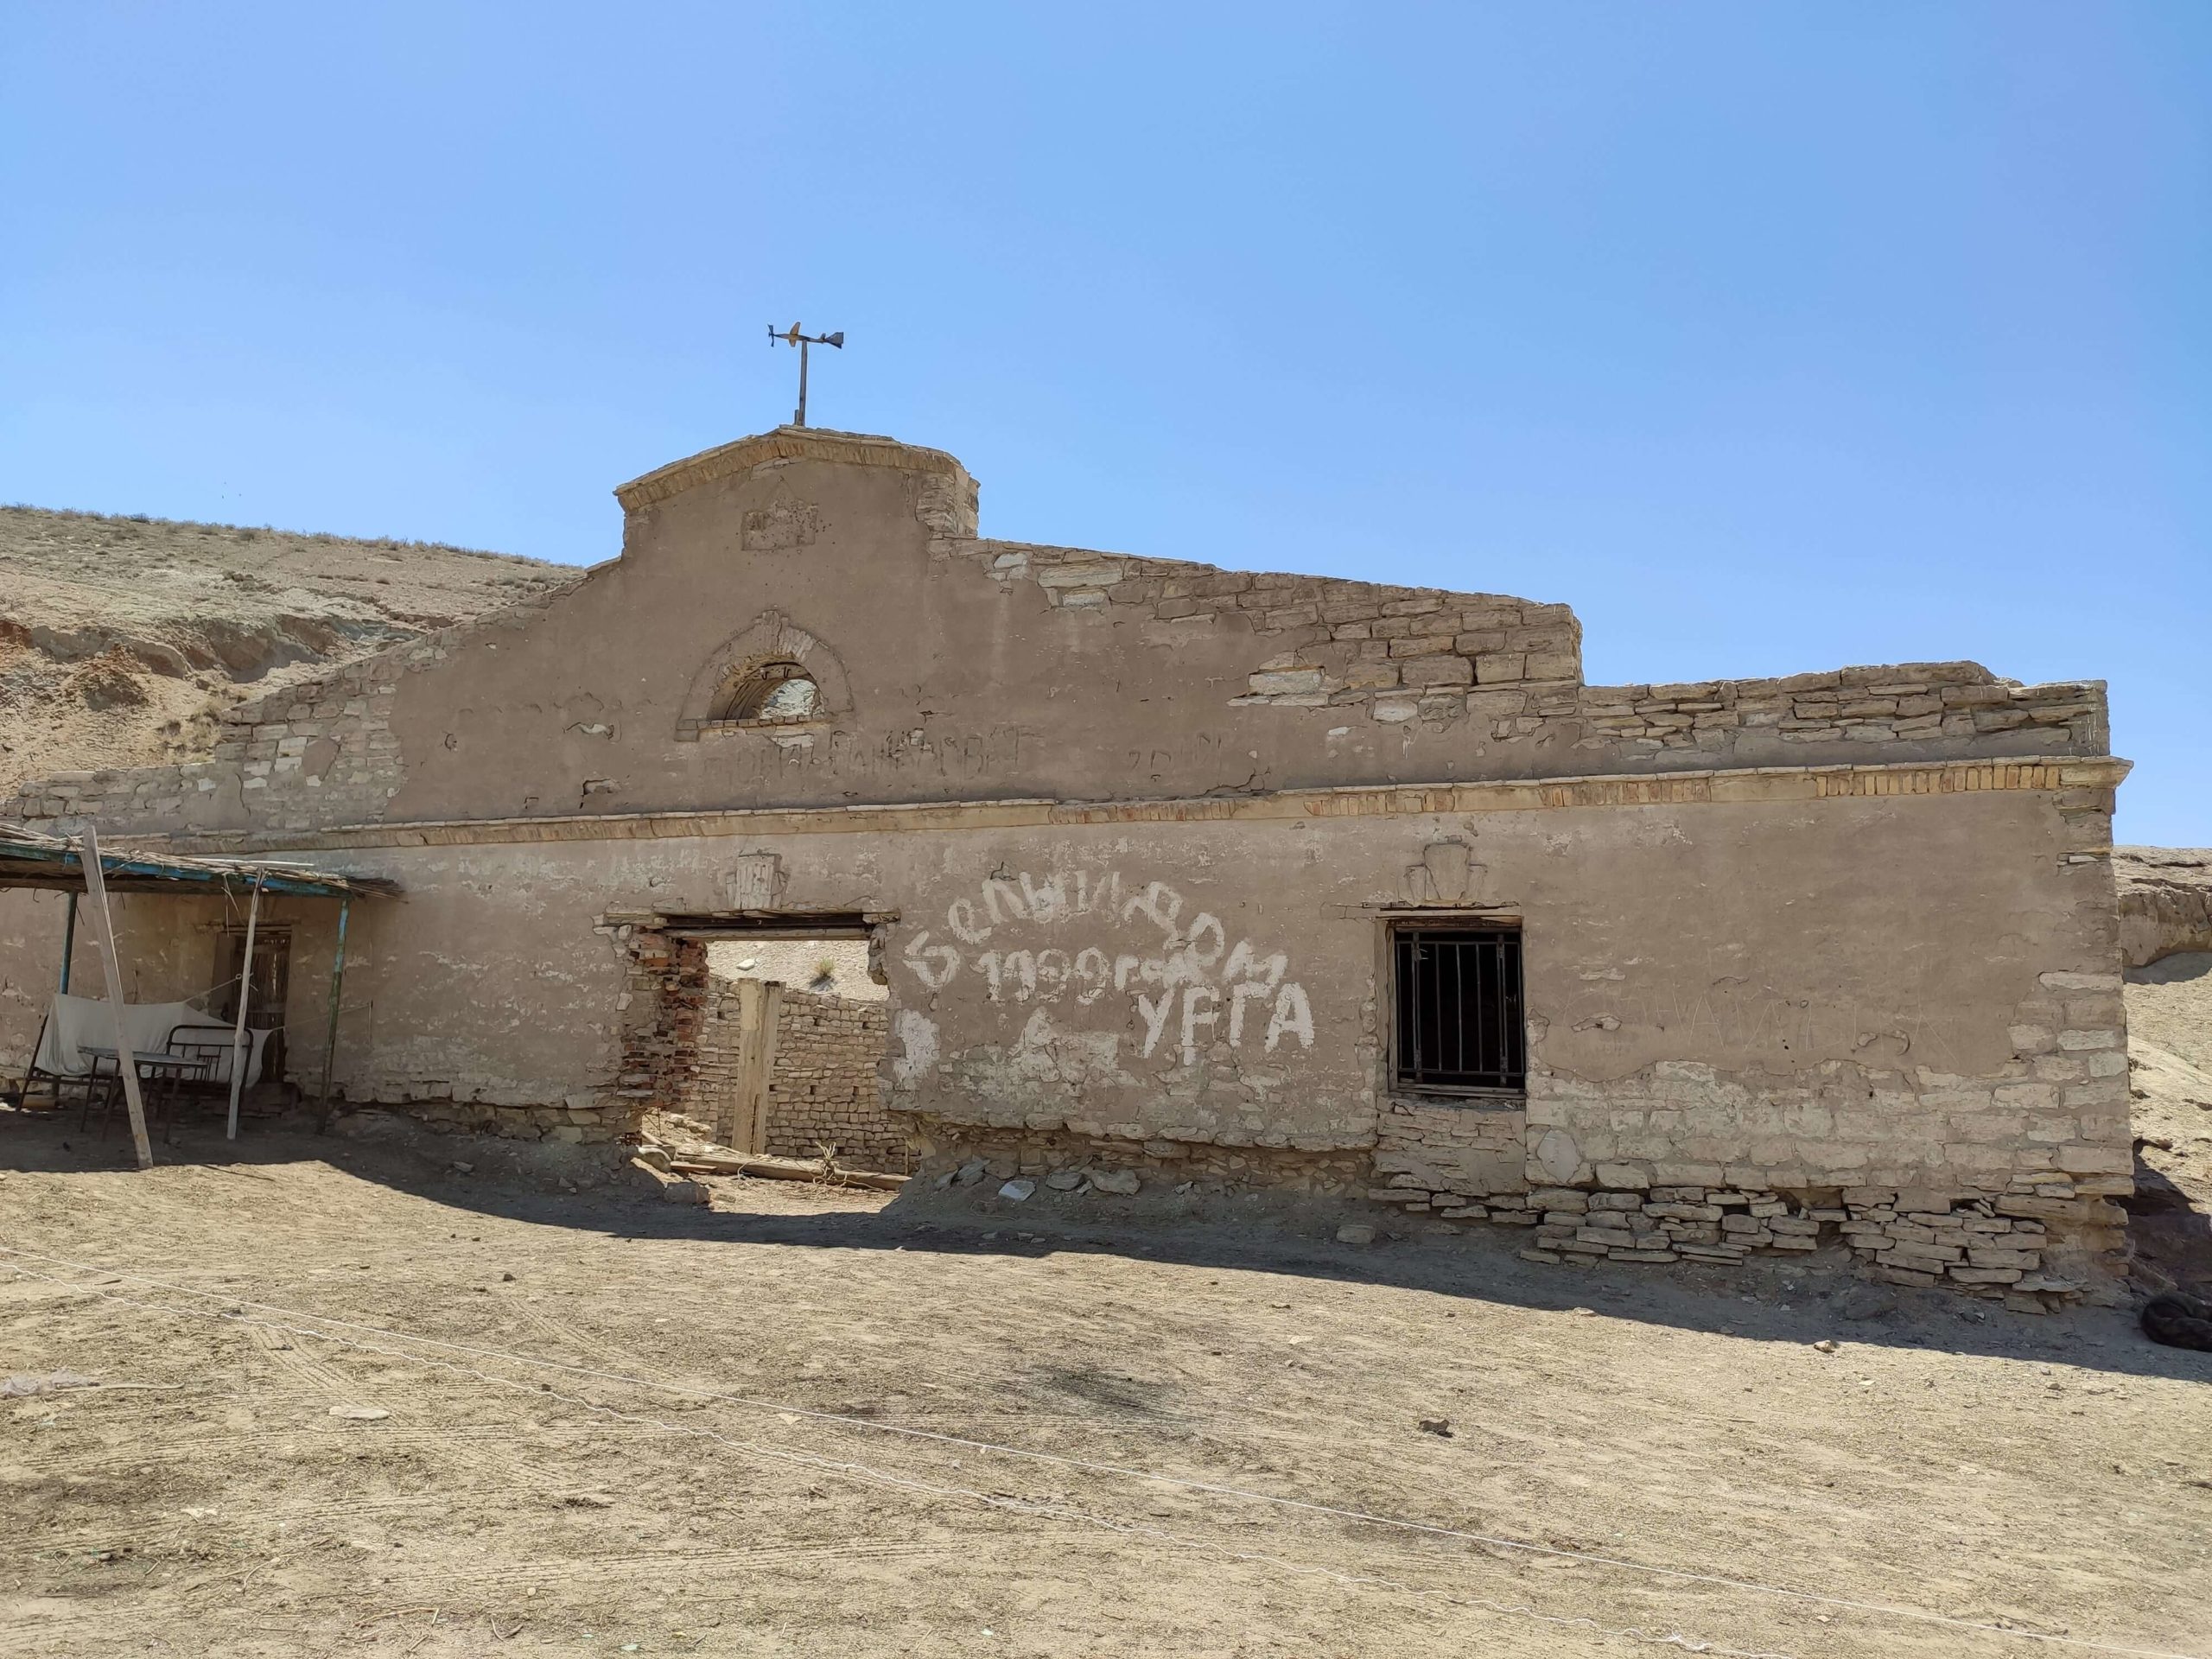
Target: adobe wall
{"type": "Point", "coordinates": [327, 754]}
{"type": "Point", "coordinates": [958, 668]}
{"type": "Point", "coordinates": [1135, 828]}
{"type": "Point", "coordinates": [1785, 995]}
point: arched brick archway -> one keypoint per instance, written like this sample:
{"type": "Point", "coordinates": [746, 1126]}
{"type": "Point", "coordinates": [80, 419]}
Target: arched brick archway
{"type": "Point", "coordinates": [773, 637]}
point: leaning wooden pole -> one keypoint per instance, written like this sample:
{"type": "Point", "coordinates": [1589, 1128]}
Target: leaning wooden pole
{"type": "Point", "coordinates": [126, 1059]}
{"type": "Point", "coordinates": [246, 991]}
{"type": "Point", "coordinates": [330, 1042]}
{"type": "Point", "coordinates": [68, 941]}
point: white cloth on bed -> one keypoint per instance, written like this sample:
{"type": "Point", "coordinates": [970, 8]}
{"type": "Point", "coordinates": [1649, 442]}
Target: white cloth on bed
{"type": "Point", "coordinates": [75, 1021]}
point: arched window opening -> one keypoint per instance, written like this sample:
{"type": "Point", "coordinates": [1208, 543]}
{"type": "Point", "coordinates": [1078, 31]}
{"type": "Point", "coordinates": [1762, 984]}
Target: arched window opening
{"type": "Point", "coordinates": [773, 675]}
{"type": "Point", "coordinates": [774, 693]}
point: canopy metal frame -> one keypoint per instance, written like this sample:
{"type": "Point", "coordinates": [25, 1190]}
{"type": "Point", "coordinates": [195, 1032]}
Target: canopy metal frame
{"type": "Point", "coordinates": [30, 858]}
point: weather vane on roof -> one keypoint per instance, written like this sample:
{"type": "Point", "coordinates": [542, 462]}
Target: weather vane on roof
{"type": "Point", "coordinates": [793, 337]}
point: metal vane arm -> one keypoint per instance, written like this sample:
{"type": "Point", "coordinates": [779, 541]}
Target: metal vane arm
{"type": "Point", "coordinates": [791, 336]}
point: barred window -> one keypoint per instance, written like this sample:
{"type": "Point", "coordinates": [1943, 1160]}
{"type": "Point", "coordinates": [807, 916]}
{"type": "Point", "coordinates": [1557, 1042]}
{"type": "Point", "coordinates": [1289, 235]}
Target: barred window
{"type": "Point", "coordinates": [1459, 1026]}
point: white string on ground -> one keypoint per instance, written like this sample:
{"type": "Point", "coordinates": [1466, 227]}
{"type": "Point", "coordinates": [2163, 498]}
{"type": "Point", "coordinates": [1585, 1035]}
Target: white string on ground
{"type": "Point", "coordinates": [1087, 1465]}
{"type": "Point", "coordinates": [846, 1469]}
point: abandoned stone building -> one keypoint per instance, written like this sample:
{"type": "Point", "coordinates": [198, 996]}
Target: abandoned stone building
{"type": "Point", "coordinates": [1208, 874]}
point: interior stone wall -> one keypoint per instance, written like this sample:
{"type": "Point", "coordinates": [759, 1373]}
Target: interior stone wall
{"type": "Point", "coordinates": [823, 1088]}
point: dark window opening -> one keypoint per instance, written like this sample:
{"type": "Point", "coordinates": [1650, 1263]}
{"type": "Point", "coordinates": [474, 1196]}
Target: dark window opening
{"type": "Point", "coordinates": [267, 986]}
{"type": "Point", "coordinates": [780, 691]}
{"type": "Point", "coordinates": [1459, 1026]}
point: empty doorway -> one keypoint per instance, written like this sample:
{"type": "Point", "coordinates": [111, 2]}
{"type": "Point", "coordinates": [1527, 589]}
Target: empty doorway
{"type": "Point", "coordinates": [786, 1048]}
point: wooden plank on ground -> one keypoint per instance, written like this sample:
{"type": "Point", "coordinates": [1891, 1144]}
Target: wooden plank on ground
{"type": "Point", "coordinates": [784, 1169]}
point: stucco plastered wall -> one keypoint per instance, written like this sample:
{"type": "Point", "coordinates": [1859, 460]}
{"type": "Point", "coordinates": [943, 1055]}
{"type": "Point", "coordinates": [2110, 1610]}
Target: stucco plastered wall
{"type": "Point", "coordinates": [955, 668]}
{"type": "Point", "coordinates": [1131, 832]}
{"type": "Point", "coordinates": [1830, 986]}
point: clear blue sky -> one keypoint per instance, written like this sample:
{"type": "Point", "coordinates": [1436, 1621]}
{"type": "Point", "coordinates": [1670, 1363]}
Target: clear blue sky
{"type": "Point", "coordinates": [1771, 336]}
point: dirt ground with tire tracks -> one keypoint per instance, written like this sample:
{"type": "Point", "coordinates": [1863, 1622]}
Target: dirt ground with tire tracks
{"type": "Point", "coordinates": [352, 1399]}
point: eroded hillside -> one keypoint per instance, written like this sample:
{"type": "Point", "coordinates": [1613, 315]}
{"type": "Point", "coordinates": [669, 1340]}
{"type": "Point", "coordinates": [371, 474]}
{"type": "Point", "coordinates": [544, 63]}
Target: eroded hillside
{"type": "Point", "coordinates": [2165, 919]}
{"type": "Point", "coordinates": [121, 640]}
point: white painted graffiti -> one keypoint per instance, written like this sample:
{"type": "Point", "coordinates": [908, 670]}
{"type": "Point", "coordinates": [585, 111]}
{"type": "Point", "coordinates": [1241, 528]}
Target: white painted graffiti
{"type": "Point", "coordinates": [1190, 980]}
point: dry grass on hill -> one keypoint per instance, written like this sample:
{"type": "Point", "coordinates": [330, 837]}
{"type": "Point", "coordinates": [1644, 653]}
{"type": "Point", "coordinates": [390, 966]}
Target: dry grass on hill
{"type": "Point", "coordinates": [123, 640]}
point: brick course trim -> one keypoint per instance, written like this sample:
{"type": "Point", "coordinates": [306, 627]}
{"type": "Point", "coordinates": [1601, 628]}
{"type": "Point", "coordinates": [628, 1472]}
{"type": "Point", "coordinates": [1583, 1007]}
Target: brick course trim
{"type": "Point", "coordinates": [1731, 787]}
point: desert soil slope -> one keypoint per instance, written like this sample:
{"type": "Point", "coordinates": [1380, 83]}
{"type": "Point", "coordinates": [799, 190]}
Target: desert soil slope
{"type": "Point", "coordinates": [123, 640]}
{"type": "Point", "coordinates": [2165, 903]}
{"type": "Point", "coordinates": [424, 1395]}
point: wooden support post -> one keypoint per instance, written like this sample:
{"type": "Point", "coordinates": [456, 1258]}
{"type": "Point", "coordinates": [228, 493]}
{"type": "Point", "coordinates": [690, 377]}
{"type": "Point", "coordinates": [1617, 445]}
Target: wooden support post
{"type": "Point", "coordinates": [729, 1103]}
{"type": "Point", "coordinates": [330, 1043]}
{"type": "Point", "coordinates": [68, 941]}
{"type": "Point", "coordinates": [239, 1047]}
{"type": "Point", "coordinates": [126, 1059]}
{"type": "Point", "coordinates": [759, 1004]}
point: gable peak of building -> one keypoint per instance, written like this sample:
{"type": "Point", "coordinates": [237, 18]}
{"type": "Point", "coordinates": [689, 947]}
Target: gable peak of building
{"type": "Point", "coordinates": [787, 443]}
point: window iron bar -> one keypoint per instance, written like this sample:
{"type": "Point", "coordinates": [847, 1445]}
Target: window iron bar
{"type": "Point", "coordinates": [1459, 1023]}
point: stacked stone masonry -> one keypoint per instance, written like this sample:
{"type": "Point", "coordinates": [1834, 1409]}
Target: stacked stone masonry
{"type": "Point", "coordinates": [1356, 638]}
{"type": "Point", "coordinates": [2055, 1112]}
{"type": "Point", "coordinates": [582, 1123]}
{"type": "Point", "coordinates": [2053, 1241]}
{"type": "Point", "coordinates": [942, 1148]}
{"type": "Point", "coordinates": [822, 1087]}
{"type": "Point", "coordinates": [823, 1091]}
{"type": "Point", "coordinates": [663, 1006]}
{"type": "Point", "coordinates": [1514, 668]}
{"type": "Point", "coordinates": [2039, 1246]}
{"type": "Point", "coordinates": [1920, 701]}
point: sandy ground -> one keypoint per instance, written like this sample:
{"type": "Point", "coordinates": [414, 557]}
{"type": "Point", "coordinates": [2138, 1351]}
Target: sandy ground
{"type": "Point", "coordinates": [121, 640]}
{"type": "Point", "coordinates": [595, 1430]}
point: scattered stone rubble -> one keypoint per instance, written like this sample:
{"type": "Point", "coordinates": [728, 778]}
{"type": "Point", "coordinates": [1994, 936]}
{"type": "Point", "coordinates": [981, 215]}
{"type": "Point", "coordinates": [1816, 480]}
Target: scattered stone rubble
{"type": "Point", "coordinates": [1079, 1181]}
{"type": "Point", "coordinates": [580, 1122]}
